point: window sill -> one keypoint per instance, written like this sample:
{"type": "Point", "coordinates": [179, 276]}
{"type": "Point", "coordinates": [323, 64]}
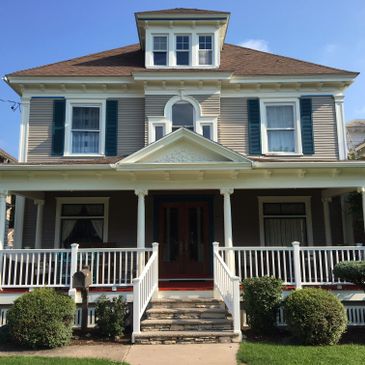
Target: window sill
{"type": "Point", "coordinates": [282, 154]}
{"type": "Point", "coordinates": [83, 155]}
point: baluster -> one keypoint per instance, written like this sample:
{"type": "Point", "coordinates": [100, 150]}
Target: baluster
{"type": "Point", "coordinates": [239, 253]}
{"type": "Point", "coordinates": [279, 263]}
{"type": "Point", "coordinates": [44, 269]}
{"type": "Point", "coordinates": [15, 269]}
{"type": "Point", "coordinates": [331, 265]}
{"type": "Point", "coordinates": [10, 266]}
{"type": "Point", "coordinates": [26, 269]}
{"type": "Point", "coordinates": [267, 262]}
{"type": "Point", "coordinates": [55, 258]}
{"type": "Point", "coordinates": [126, 266]}
{"type": "Point", "coordinates": [245, 263]}
{"type": "Point", "coordinates": [310, 268]}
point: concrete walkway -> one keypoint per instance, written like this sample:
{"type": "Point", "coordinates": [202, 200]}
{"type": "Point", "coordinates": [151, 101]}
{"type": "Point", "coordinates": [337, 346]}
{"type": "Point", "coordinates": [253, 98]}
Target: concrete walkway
{"type": "Point", "coordinates": [212, 354]}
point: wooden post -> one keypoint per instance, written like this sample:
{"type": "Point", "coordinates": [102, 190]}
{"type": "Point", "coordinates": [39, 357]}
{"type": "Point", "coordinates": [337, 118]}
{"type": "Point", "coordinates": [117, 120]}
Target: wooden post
{"type": "Point", "coordinates": [84, 310]}
{"type": "Point", "coordinates": [39, 223]}
{"type": "Point", "coordinates": [136, 306]}
{"type": "Point", "coordinates": [296, 264]}
{"type": "Point", "coordinates": [216, 294]}
{"type": "Point", "coordinates": [228, 235]}
{"type": "Point", "coordinates": [236, 307]}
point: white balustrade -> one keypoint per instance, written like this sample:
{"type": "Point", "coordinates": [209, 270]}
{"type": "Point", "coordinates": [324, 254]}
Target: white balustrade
{"type": "Point", "coordinates": [228, 287]}
{"type": "Point", "coordinates": [34, 268]}
{"type": "Point", "coordinates": [144, 287]}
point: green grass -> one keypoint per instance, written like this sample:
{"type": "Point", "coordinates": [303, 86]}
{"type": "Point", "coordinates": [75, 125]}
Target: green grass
{"type": "Point", "coordinates": [266, 353]}
{"type": "Point", "coordinates": [34, 360]}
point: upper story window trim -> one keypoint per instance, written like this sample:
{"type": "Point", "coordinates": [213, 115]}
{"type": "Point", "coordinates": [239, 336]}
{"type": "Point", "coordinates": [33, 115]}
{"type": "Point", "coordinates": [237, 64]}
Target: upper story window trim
{"type": "Point", "coordinates": [70, 130]}
{"type": "Point", "coordinates": [205, 49]}
{"type": "Point", "coordinates": [183, 50]}
{"type": "Point", "coordinates": [291, 130]}
{"type": "Point", "coordinates": [160, 49]}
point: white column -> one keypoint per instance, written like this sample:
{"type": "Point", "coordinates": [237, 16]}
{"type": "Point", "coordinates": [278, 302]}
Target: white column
{"type": "Point", "coordinates": [39, 224]}
{"type": "Point", "coordinates": [23, 140]}
{"type": "Point", "coordinates": [341, 129]}
{"type": "Point", "coordinates": [296, 265]}
{"type": "Point", "coordinates": [141, 226]}
{"type": "Point", "coordinates": [327, 220]}
{"type": "Point", "coordinates": [228, 234]}
{"type": "Point", "coordinates": [3, 195]}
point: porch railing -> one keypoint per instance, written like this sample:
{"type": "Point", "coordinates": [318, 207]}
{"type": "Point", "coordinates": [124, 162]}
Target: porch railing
{"type": "Point", "coordinates": [296, 265]}
{"type": "Point", "coordinates": [143, 289]}
{"type": "Point", "coordinates": [228, 286]}
{"type": "Point", "coordinates": [32, 268]}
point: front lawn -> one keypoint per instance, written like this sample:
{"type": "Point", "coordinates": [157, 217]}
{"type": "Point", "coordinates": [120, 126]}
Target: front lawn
{"type": "Point", "coordinates": [32, 360]}
{"type": "Point", "coordinates": [269, 353]}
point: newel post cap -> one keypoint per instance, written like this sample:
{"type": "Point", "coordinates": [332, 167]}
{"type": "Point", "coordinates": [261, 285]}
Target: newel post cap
{"type": "Point", "coordinates": [295, 243]}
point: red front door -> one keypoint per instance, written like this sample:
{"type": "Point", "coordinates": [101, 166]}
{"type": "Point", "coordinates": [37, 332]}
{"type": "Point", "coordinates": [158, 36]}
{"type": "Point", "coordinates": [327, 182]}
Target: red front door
{"type": "Point", "coordinates": [184, 241]}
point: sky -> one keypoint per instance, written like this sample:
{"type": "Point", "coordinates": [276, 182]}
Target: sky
{"type": "Point", "coordinates": [37, 32]}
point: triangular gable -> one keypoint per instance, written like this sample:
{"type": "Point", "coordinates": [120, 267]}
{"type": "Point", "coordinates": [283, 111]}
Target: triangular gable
{"type": "Point", "coordinates": [184, 146]}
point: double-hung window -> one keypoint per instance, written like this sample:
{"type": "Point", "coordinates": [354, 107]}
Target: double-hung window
{"type": "Point", "coordinates": [284, 220]}
{"type": "Point", "coordinates": [182, 50]}
{"type": "Point", "coordinates": [160, 50]}
{"type": "Point", "coordinates": [281, 126]}
{"type": "Point", "coordinates": [205, 50]}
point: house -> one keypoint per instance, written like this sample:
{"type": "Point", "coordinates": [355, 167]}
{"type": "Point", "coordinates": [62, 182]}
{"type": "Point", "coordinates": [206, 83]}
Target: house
{"type": "Point", "coordinates": [183, 140]}
{"type": "Point", "coordinates": [6, 158]}
{"type": "Point", "coordinates": [356, 137]}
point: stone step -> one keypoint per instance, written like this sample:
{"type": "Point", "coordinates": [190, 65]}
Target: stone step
{"type": "Point", "coordinates": [185, 313]}
{"type": "Point", "coordinates": [187, 303]}
{"type": "Point", "coordinates": [184, 337]}
{"type": "Point", "coordinates": [186, 325]}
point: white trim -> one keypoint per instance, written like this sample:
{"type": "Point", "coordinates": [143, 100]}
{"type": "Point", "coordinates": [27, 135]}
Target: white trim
{"type": "Point", "coordinates": [80, 200]}
{"type": "Point", "coordinates": [166, 119]}
{"type": "Point", "coordinates": [341, 128]}
{"type": "Point", "coordinates": [24, 127]}
{"type": "Point", "coordinates": [297, 135]}
{"type": "Point", "coordinates": [286, 199]}
{"type": "Point", "coordinates": [70, 104]}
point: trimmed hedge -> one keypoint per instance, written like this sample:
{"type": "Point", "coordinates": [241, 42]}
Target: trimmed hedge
{"type": "Point", "coordinates": [110, 316]}
{"type": "Point", "coordinates": [315, 316]}
{"type": "Point", "coordinates": [351, 271]}
{"type": "Point", "coordinates": [261, 300]}
{"type": "Point", "coordinates": [42, 318]}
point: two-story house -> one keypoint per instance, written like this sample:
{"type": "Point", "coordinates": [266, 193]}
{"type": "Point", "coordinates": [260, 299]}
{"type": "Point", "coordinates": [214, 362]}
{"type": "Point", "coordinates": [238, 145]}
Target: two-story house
{"type": "Point", "coordinates": [181, 139]}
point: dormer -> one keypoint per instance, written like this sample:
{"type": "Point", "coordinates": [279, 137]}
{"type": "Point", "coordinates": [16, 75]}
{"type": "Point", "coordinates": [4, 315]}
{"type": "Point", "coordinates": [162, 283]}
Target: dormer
{"type": "Point", "coordinates": [182, 38]}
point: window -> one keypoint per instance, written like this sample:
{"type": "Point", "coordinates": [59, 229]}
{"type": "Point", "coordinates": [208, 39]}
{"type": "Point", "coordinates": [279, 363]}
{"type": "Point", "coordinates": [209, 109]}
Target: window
{"type": "Point", "coordinates": [182, 50]}
{"type": "Point", "coordinates": [281, 126]}
{"type": "Point", "coordinates": [81, 220]}
{"type": "Point", "coordinates": [85, 130]}
{"type": "Point", "coordinates": [205, 50]}
{"type": "Point", "coordinates": [284, 220]}
{"type": "Point", "coordinates": [182, 115]}
{"type": "Point", "coordinates": [160, 50]}
{"type": "Point", "coordinates": [159, 132]}
{"type": "Point", "coordinates": [207, 131]}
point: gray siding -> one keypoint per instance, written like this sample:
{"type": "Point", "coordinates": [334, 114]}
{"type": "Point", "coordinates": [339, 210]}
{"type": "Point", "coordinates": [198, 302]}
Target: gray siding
{"type": "Point", "coordinates": [30, 218]}
{"type": "Point", "coordinates": [40, 130]}
{"type": "Point", "coordinates": [130, 125]}
{"type": "Point", "coordinates": [324, 128]}
{"type": "Point", "coordinates": [232, 125]}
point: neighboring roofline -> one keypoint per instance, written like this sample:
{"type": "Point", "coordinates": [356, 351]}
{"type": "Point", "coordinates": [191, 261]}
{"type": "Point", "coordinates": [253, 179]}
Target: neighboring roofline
{"type": "Point", "coordinates": [7, 155]}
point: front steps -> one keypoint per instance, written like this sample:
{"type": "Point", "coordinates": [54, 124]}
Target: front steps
{"type": "Point", "coordinates": [198, 320]}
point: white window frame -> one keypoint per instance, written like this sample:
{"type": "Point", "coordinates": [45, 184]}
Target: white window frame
{"type": "Point", "coordinates": [166, 120]}
{"type": "Point", "coordinates": [297, 135]}
{"type": "Point", "coordinates": [80, 200]}
{"type": "Point", "coordinates": [70, 104]}
{"type": "Point", "coordinates": [212, 50]}
{"type": "Point", "coordinates": [286, 199]}
{"type": "Point", "coordinates": [176, 50]}
{"type": "Point", "coordinates": [167, 48]}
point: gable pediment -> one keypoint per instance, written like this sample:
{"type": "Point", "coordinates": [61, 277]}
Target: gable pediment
{"type": "Point", "coordinates": [184, 147]}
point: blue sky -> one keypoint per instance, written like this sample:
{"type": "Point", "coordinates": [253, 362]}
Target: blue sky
{"type": "Point", "coordinates": [37, 32]}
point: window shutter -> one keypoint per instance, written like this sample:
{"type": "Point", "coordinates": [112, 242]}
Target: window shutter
{"type": "Point", "coordinates": [306, 126]}
{"type": "Point", "coordinates": [254, 126]}
{"type": "Point", "coordinates": [58, 128]}
{"type": "Point", "coordinates": [111, 127]}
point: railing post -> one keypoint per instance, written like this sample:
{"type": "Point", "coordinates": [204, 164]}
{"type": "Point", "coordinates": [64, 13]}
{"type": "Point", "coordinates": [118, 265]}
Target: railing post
{"type": "Point", "coordinates": [236, 307]}
{"type": "Point", "coordinates": [73, 268]}
{"type": "Point", "coordinates": [1, 268]}
{"type": "Point", "coordinates": [296, 264]}
{"type": "Point", "coordinates": [216, 294]}
{"type": "Point", "coordinates": [136, 306]}
{"type": "Point", "coordinates": [155, 267]}
{"type": "Point", "coordinates": [359, 245]}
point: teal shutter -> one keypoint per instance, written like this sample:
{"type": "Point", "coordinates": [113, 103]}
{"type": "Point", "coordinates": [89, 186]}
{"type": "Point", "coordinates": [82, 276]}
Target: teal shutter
{"type": "Point", "coordinates": [111, 127]}
{"type": "Point", "coordinates": [254, 126]}
{"type": "Point", "coordinates": [58, 128]}
{"type": "Point", "coordinates": [306, 126]}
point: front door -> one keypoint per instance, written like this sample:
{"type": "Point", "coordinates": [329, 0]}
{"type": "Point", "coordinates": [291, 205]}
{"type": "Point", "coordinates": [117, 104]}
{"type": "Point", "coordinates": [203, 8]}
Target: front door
{"type": "Point", "coordinates": [184, 239]}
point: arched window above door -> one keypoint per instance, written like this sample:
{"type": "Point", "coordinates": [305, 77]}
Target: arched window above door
{"type": "Point", "coordinates": [182, 115]}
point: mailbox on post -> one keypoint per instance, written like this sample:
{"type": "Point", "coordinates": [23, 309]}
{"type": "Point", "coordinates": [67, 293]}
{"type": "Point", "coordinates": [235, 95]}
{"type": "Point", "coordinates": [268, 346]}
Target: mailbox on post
{"type": "Point", "coordinates": [81, 280]}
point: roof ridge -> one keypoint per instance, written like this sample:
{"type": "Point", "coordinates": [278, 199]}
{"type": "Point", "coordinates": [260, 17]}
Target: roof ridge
{"type": "Point", "coordinates": [75, 58]}
{"type": "Point", "coordinates": [292, 58]}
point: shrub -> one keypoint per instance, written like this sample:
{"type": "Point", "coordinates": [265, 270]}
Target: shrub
{"type": "Point", "coordinates": [351, 271]}
{"type": "Point", "coordinates": [110, 316]}
{"type": "Point", "coordinates": [261, 299]}
{"type": "Point", "coordinates": [42, 318]}
{"type": "Point", "coordinates": [315, 316]}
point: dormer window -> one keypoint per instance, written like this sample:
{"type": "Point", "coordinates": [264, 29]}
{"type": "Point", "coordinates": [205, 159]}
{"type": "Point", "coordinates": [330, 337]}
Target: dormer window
{"type": "Point", "coordinates": [182, 50]}
{"type": "Point", "coordinates": [160, 48]}
{"type": "Point", "coordinates": [205, 49]}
